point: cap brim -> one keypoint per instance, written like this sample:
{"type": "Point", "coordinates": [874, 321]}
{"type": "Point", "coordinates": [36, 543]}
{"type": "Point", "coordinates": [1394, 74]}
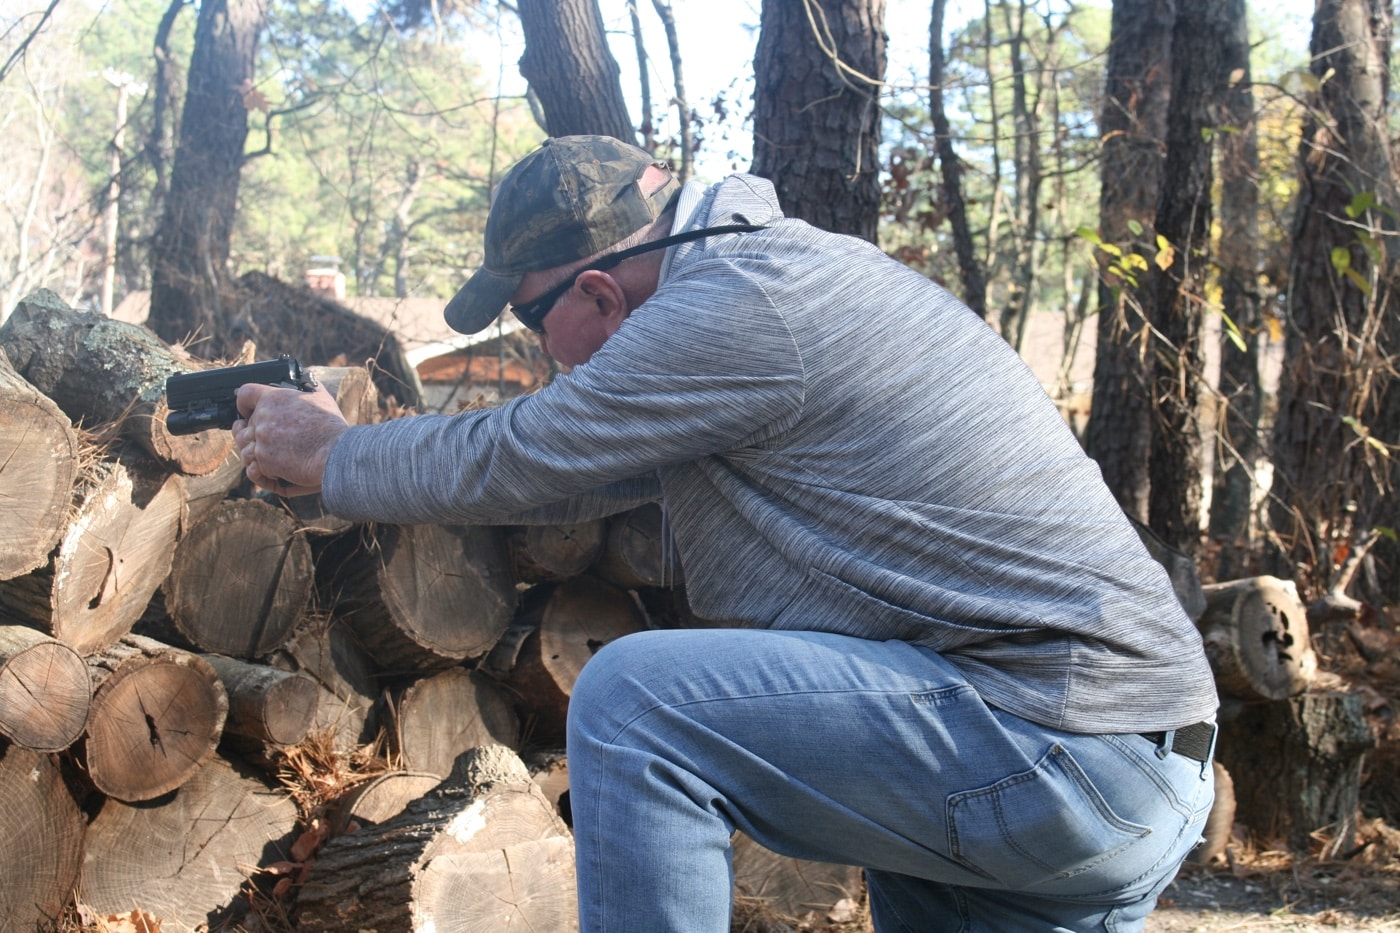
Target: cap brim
{"type": "Point", "coordinates": [480, 301]}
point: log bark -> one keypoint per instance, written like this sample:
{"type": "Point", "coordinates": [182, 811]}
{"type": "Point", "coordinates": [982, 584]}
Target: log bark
{"type": "Point", "coordinates": [482, 853]}
{"type": "Point", "coordinates": [41, 840]}
{"type": "Point", "coordinates": [328, 653]}
{"type": "Point", "coordinates": [422, 597]}
{"type": "Point", "coordinates": [1256, 637]}
{"type": "Point", "coordinates": [241, 580]}
{"type": "Point", "coordinates": [44, 690]}
{"type": "Point", "coordinates": [558, 629]}
{"type": "Point", "coordinates": [100, 370]}
{"type": "Point", "coordinates": [437, 718]}
{"type": "Point", "coordinates": [550, 553]}
{"type": "Point", "coordinates": [637, 552]}
{"type": "Point", "coordinates": [1296, 766]}
{"type": "Point", "coordinates": [114, 553]}
{"type": "Point", "coordinates": [157, 714]}
{"type": "Point", "coordinates": [265, 704]}
{"type": "Point", "coordinates": [185, 857]}
{"type": "Point", "coordinates": [38, 466]}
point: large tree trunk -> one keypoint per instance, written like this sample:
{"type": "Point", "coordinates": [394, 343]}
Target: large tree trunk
{"type": "Point", "coordinates": [189, 259]}
{"type": "Point", "coordinates": [571, 69]}
{"type": "Point", "coordinates": [974, 279]}
{"type": "Point", "coordinates": [1326, 489]}
{"type": "Point", "coordinates": [1237, 444]}
{"type": "Point", "coordinates": [1133, 129]}
{"type": "Point", "coordinates": [1199, 78]}
{"type": "Point", "coordinates": [817, 110]}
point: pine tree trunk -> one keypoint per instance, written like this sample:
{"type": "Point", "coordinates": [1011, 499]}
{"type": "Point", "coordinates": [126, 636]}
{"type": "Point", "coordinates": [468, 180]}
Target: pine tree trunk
{"type": "Point", "coordinates": [38, 466]}
{"type": "Point", "coordinates": [571, 69]}
{"type": "Point", "coordinates": [115, 551]}
{"type": "Point", "coordinates": [44, 690]}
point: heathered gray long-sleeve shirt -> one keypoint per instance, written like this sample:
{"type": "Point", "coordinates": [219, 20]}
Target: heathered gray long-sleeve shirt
{"type": "Point", "coordinates": [839, 445]}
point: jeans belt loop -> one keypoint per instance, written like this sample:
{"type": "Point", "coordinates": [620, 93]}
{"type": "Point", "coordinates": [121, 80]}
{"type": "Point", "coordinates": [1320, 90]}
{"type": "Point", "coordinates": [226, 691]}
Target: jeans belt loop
{"type": "Point", "coordinates": [1165, 749]}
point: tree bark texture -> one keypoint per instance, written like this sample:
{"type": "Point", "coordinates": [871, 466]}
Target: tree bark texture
{"type": "Point", "coordinates": [1237, 445]}
{"type": "Point", "coordinates": [38, 464]}
{"type": "Point", "coordinates": [1133, 137]}
{"type": "Point", "coordinates": [189, 258]}
{"type": "Point", "coordinates": [1296, 766]}
{"type": "Point", "coordinates": [818, 69]}
{"type": "Point", "coordinates": [1200, 76]}
{"type": "Point", "coordinates": [101, 371]}
{"type": "Point", "coordinates": [115, 551]}
{"type": "Point", "coordinates": [41, 840]}
{"type": "Point", "coordinates": [44, 690]}
{"type": "Point", "coordinates": [156, 716]}
{"type": "Point", "coordinates": [265, 704]}
{"type": "Point", "coordinates": [570, 67]}
{"type": "Point", "coordinates": [186, 856]}
{"type": "Point", "coordinates": [1327, 482]}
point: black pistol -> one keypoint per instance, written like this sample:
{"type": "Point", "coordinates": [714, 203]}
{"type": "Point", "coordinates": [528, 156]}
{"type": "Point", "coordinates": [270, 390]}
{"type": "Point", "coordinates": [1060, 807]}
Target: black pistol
{"type": "Point", "coordinates": [203, 400]}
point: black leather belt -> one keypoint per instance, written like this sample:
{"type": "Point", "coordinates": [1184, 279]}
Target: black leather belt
{"type": "Point", "coordinates": [1196, 741]}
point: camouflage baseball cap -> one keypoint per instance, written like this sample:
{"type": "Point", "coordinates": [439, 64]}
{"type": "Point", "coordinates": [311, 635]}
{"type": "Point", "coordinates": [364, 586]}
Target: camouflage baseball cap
{"type": "Point", "coordinates": [570, 199]}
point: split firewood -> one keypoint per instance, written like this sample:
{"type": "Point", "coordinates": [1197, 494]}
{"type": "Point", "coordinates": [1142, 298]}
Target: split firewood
{"type": "Point", "coordinates": [558, 629]}
{"type": "Point", "coordinates": [1256, 637]}
{"type": "Point", "coordinates": [114, 553]}
{"type": "Point", "coordinates": [482, 852]}
{"type": "Point", "coordinates": [157, 714]}
{"type": "Point", "coordinates": [421, 597]}
{"type": "Point", "coordinates": [438, 717]}
{"type": "Point", "coordinates": [187, 856]}
{"type": "Point", "coordinates": [327, 652]}
{"type": "Point", "coordinates": [44, 690]}
{"type": "Point", "coordinates": [638, 551]}
{"type": "Point", "coordinates": [38, 466]}
{"type": "Point", "coordinates": [100, 370]}
{"type": "Point", "coordinates": [549, 553]}
{"type": "Point", "coordinates": [265, 704]}
{"type": "Point", "coordinates": [41, 840]}
{"type": "Point", "coordinates": [240, 582]}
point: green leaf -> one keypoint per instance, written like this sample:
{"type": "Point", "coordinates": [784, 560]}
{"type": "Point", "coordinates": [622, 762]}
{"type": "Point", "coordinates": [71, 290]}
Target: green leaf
{"type": "Point", "coordinates": [1090, 234]}
{"type": "Point", "coordinates": [1341, 259]}
{"type": "Point", "coordinates": [1363, 201]}
{"type": "Point", "coordinates": [1232, 331]}
{"type": "Point", "coordinates": [1134, 227]}
{"type": "Point", "coordinates": [1359, 281]}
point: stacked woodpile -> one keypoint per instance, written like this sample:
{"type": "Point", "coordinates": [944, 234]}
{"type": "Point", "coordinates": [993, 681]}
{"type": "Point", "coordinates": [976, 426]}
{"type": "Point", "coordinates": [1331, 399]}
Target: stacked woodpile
{"type": "Point", "coordinates": [170, 640]}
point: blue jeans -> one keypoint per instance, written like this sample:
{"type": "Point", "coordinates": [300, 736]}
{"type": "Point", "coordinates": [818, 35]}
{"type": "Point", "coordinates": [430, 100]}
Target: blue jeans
{"type": "Point", "coordinates": [878, 754]}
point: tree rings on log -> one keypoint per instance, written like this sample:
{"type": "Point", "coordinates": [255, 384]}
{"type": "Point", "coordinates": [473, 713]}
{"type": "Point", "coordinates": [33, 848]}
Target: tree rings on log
{"type": "Point", "coordinates": [41, 840]}
{"type": "Point", "coordinates": [481, 853]}
{"type": "Point", "coordinates": [114, 553]}
{"type": "Point", "coordinates": [425, 597]}
{"type": "Point", "coordinates": [241, 580]}
{"type": "Point", "coordinates": [44, 690]}
{"type": "Point", "coordinates": [265, 704]}
{"type": "Point", "coordinates": [380, 799]}
{"type": "Point", "coordinates": [549, 553]}
{"type": "Point", "coordinates": [156, 716]}
{"type": "Point", "coordinates": [327, 652]}
{"type": "Point", "coordinates": [638, 551]}
{"type": "Point", "coordinates": [38, 466]}
{"type": "Point", "coordinates": [185, 857]}
{"type": "Point", "coordinates": [789, 887]}
{"type": "Point", "coordinates": [559, 628]}
{"type": "Point", "coordinates": [438, 717]}
{"type": "Point", "coordinates": [1256, 637]}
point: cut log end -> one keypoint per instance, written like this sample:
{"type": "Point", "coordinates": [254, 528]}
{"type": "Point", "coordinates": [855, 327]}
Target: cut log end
{"type": "Point", "coordinates": [45, 691]}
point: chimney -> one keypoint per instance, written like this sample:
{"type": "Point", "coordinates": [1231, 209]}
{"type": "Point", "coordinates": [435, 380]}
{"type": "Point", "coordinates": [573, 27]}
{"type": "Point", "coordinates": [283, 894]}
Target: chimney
{"type": "Point", "coordinates": [325, 278]}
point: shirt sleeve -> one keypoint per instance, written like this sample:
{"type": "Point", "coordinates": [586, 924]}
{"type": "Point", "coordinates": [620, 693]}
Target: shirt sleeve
{"type": "Point", "coordinates": [706, 366]}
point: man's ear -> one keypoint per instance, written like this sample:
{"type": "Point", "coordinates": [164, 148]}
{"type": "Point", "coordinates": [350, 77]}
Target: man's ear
{"type": "Point", "coordinates": [605, 291]}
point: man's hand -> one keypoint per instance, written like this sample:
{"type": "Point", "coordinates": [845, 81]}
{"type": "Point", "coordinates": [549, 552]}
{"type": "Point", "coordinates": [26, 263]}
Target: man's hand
{"type": "Point", "coordinates": [285, 436]}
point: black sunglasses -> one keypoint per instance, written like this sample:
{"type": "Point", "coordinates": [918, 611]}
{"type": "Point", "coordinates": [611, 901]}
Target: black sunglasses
{"type": "Point", "coordinates": [532, 313]}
